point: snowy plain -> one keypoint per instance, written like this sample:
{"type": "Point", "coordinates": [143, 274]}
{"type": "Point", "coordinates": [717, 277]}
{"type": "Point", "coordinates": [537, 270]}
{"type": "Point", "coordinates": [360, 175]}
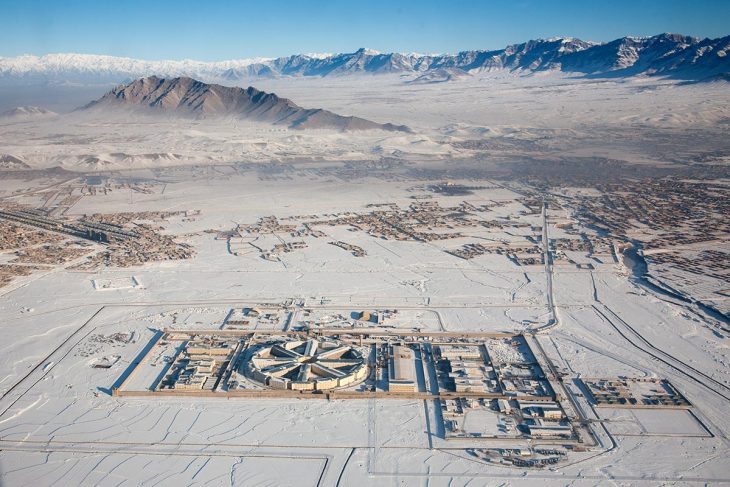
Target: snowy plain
{"type": "Point", "coordinates": [59, 425]}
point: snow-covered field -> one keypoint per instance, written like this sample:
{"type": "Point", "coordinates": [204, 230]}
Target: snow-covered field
{"type": "Point", "coordinates": [498, 116]}
{"type": "Point", "coordinates": [60, 425]}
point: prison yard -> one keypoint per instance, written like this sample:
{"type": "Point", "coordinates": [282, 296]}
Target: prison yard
{"type": "Point", "coordinates": [488, 391]}
{"type": "Point", "coordinates": [498, 397]}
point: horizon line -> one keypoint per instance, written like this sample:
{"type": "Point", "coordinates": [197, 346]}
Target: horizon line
{"type": "Point", "coordinates": [315, 55]}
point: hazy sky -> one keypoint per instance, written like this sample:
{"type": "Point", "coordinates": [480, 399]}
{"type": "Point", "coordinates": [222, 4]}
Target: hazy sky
{"type": "Point", "coordinates": [216, 30]}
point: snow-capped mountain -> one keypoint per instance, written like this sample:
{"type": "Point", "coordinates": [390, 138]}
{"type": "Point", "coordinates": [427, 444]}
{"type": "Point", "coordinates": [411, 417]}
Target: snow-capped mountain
{"type": "Point", "coordinates": [440, 75]}
{"type": "Point", "coordinates": [674, 55]}
{"type": "Point", "coordinates": [27, 112]}
{"type": "Point", "coordinates": [662, 54]}
{"type": "Point", "coordinates": [188, 97]}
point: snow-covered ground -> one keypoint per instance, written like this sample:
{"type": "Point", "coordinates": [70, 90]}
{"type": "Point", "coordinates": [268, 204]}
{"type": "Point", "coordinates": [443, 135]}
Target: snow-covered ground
{"type": "Point", "coordinates": [498, 116]}
{"type": "Point", "coordinates": [59, 424]}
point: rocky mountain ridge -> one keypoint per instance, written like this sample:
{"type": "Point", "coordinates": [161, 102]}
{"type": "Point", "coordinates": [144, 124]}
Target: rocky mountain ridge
{"type": "Point", "coordinates": [185, 96]}
{"type": "Point", "coordinates": [675, 55]}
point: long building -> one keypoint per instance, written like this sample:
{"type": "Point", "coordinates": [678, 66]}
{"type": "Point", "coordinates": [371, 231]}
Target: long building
{"type": "Point", "coordinates": [402, 370]}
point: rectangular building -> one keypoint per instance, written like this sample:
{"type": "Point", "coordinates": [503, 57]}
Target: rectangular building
{"type": "Point", "coordinates": [402, 370]}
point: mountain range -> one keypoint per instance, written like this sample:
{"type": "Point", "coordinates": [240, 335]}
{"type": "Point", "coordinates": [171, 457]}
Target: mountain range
{"type": "Point", "coordinates": [185, 96]}
{"type": "Point", "coordinates": [673, 55]}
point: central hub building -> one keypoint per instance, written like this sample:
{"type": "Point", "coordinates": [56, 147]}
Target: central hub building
{"type": "Point", "coordinates": [306, 365]}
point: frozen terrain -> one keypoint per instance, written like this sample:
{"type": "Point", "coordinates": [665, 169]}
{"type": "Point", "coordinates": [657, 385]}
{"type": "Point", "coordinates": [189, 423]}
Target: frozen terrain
{"type": "Point", "coordinates": [484, 221]}
{"type": "Point", "coordinates": [492, 117]}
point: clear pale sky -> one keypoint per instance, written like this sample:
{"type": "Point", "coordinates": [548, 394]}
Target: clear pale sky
{"type": "Point", "coordinates": [217, 30]}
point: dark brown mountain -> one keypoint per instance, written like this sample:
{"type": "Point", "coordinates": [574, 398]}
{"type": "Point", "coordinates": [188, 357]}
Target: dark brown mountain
{"type": "Point", "coordinates": [188, 97]}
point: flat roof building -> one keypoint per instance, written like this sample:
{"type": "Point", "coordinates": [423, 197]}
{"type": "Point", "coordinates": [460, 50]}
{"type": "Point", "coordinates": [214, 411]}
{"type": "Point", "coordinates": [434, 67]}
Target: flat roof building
{"type": "Point", "coordinates": [402, 370]}
{"type": "Point", "coordinates": [557, 431]}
